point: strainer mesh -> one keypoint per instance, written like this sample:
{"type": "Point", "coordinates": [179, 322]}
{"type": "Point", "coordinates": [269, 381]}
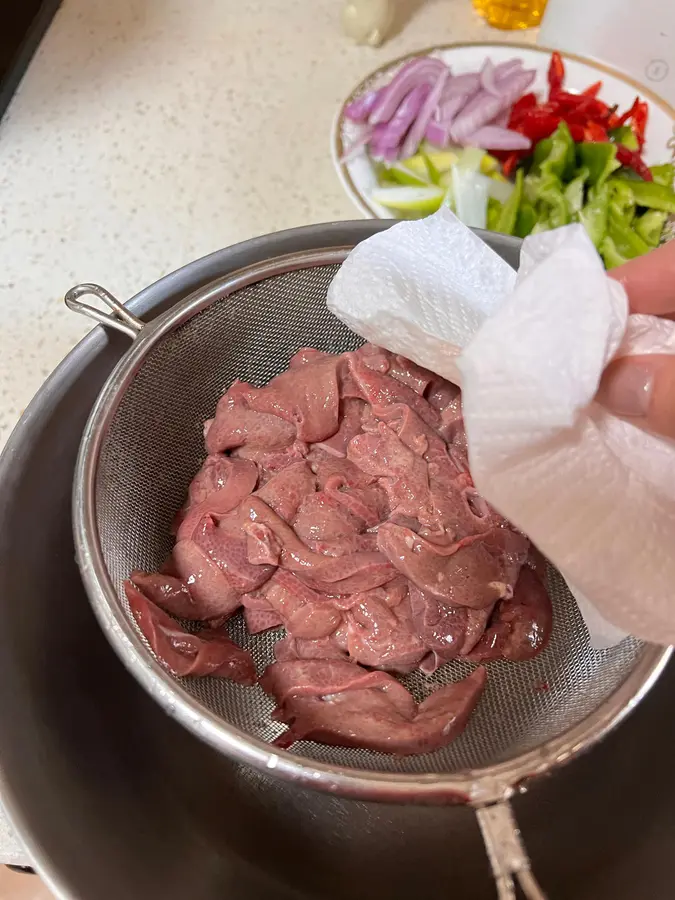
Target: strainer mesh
{"type": "Point", "coordinates": [155, 446]}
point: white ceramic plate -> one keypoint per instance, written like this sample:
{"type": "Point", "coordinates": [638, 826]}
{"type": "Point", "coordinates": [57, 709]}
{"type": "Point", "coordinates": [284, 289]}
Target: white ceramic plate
{"type": "Point", "coordinates": [358, 173]}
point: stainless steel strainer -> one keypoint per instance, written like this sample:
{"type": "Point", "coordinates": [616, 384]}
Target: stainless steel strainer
{"type": "Point", "coordinates": [142, 446]}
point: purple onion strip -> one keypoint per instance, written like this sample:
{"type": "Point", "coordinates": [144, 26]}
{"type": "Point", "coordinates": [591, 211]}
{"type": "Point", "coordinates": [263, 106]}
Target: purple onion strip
{"type": "Point", "coordinates": [416, 133]}
{"type": "Point", "coordinates": [389, 135]}
{"type": "Point", "coordinates": [484, 107]}
{"type": "Point", "coordinates": [423, 99]}
{"type": "Point", "coordinates": [515, 83]}
{"type": "Point", "coordinates": [502, 120]}
{"type": "Point", "coordinates": [480, 110]}
{"type": "Point", "coordinates": [488, 78]}
{"type": "Point", "coordinates": [438, 133]}
{"type": "Point", "coordinates": [461, 84]}
{"type": "Point", "coordinates": [491, 137]}
{"type": "Point", "coordinates": [448, 109]}
{"type": "Point", "coordinates": [360, 108]}
{"type": "Point", "coordinates": [506, 68]}
{"type": "Point", "coordinates": [414, 72]}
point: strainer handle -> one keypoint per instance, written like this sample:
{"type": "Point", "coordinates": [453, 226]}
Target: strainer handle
{"type": "Point", "coordinates": [507, 853]}
{"type": "Point", "coordinates": [120, 318]}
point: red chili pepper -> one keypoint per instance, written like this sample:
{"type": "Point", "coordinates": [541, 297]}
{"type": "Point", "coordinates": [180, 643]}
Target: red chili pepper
{"type": "Point", "coordinates": [577, 132]}
{"type": "Point", "coordinates": [538, 125]}
{"type": "Point", "coordinates": [556, 73]}
{"type": "Point", "coordinates": [593, 90]}
{"type": "Point", "coordinates": [639, 123]}
{"type": "Point", "coordinates": [580, 105]}
{"type": "Point", "coordinates": [571, 101]}
{"type": "Point", "coordinates": [629, 113]}
{"type": "Point", "coordinates": [510, 163]}
{"type": "Point", "coordinates": [613, 120]}
{"type": "Point", "coordinates": [598, 108]}
{"type": "Point", "coordinates": [637, 115]}
{"type": "Point", "coordinates": [563, 99]}
{"type": "Point", "coordinates": [579, 116]}
{"type": "Point", "coordinates": [593, 131]}
{"type": "Point", "coordinates": [634, 161]}
{"type": "Point", "coordinates": [520, 107]}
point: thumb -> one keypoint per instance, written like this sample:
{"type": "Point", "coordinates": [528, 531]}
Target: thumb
{"type": "Point", "coordinates": [642, 389]}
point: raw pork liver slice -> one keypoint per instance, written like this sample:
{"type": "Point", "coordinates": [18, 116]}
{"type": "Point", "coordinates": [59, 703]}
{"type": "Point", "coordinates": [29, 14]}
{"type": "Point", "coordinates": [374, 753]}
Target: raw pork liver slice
{"type": "Point", "coordinates": [337, 702]}
{"type": "Point", "coordinates": [211, 653]}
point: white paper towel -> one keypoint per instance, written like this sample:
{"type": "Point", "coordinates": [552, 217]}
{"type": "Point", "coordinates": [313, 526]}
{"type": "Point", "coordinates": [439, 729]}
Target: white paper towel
{"type": "Point", "coordinates": [595, 493]}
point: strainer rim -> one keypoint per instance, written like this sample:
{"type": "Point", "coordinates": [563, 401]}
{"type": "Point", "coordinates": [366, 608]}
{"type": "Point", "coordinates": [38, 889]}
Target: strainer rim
{"type": "Point", "coordinates": [479, 785]}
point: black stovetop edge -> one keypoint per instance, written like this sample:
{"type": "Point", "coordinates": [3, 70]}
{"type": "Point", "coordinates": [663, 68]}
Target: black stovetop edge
{"type": "Point", "coordinates": [11, 78]}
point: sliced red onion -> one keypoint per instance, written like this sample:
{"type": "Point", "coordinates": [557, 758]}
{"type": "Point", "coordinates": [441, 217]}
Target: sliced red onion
{"type": "Point", "coordinates": [519, 83]}
{"type": "Point", "coordinates": [438, 133]}
{"type": "Point", "coordinates": [378, 148]}
{"type": "Point", "coordinates": [389, 135]}
{"type": "Point", "coordinates": [488, 78]}
{"type": "Point", "coordinates": [505, 68]}
{"type": "Point", "coordinates": [516, 83]}
{"type": "Point", "coordinates": [502, 120]}
{"type": "Point", "coordinates": [496, 79]}
{"type": "Point", "coordinates": [480, 110]}
{"type": "Point", "coordinates": [461, 84]}
{"type": "Point", "coordinates": [416, 133]}
{"type": "Point", "coordinates": [491, 137]}
{"type": "Point", "coordinates": [423, 99]}
{"type": "Point", "coordinates": [376, 144]}
{"type": "Point", "coordinates": [484, 107]}
{"type": "Point", "coordinates": [448, 109]}
{"type": "Point", "coordinates": [360, 108]}
{"type": "Point", "coordinates": [423, 70]}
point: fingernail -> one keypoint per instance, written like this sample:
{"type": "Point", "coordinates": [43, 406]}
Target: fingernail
{"type": "Point", "coordinates": [627, 389]}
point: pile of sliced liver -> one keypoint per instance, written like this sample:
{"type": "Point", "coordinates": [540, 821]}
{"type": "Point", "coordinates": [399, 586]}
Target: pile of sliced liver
{"type": "Point", "coordinates": [336, 503]}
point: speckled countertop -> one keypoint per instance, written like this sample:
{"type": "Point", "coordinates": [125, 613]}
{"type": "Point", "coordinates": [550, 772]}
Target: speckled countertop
{"type": "Point", "coordinates": [147, 133]}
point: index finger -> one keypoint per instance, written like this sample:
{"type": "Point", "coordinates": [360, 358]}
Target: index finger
{"type": "Point", "coordinates": [649, 281]}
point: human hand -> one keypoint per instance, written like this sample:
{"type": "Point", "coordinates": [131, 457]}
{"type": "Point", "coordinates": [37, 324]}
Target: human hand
{"type": "Point", "coordinates": [642, 388]}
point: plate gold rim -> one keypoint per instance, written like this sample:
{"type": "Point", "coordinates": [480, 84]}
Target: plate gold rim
{"type": "Point", "coordinates": [337, 147]}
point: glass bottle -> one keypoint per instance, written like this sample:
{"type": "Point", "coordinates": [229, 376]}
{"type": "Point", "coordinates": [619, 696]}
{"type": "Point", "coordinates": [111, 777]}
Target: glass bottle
{"type": "Point", "coordinates": [511, 14]}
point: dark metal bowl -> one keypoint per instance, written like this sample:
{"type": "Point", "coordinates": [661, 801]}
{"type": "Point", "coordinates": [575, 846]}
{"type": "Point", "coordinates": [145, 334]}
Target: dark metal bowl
{"type": "Point", "coordinates": [114, 799]}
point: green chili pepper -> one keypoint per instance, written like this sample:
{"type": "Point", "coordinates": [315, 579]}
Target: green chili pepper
{"type": "Point", "coordinates": [663, 174]}
{"type": "Point", "coordinates": [650, 226]}
{"type": "Point", "coordinates": [594, 214]}
{"type": "Point", "coordinates": [574, 192]}
{"type": "Point", "coordinates": [531, 185]}
{"type": "Point", "coordinates": [621, 200]}
{"type": "Point", "coordinates": [599, 159]}
{"type": "Point", "coordinates": [494, 211]}
{"type": "Point", "coordinates": [610, 254]}
{"type": "Point", "coordinates": [552, 197]}
{"type": "Point", "coordinates": [626, 136]}
{"type": "Point", "coordinates": [651, 194]}
{"type": "Point", "coordinates": [526, 220]}
{"type": "Point", "coordinates": [627, 241]}
{"type": "Point", "coordinates": [507, 220]}
{"type": "Point", "coordinates": [545, 194]}
{"type": "Point", "coordinates": [555, 155]}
